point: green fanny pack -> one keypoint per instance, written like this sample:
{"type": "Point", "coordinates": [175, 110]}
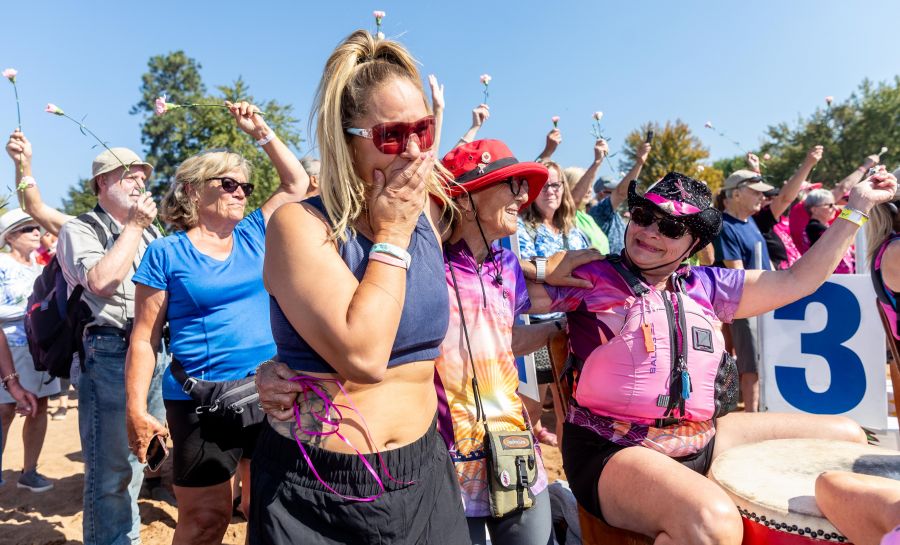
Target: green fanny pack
{"type": "Point", "coordinates": [512, 470]}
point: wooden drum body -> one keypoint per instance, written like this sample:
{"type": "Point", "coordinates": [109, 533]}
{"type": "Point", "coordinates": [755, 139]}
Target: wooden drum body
{"type": "Point", "coordinates": [773, 485]}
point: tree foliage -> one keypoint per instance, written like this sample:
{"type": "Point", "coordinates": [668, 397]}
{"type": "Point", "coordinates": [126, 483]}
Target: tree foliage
{"type": "Point", "coordinates": [173, 137]}
{"type": "Point", "coordinates": [850, 130]}
{"type": "Point", "coordinates": [81, 198]}
{"type": "Point", "coordinates": [674, 148]}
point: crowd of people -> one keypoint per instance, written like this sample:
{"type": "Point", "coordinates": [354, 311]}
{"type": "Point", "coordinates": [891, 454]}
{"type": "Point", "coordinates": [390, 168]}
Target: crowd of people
{"type": "Point", "coordinates": [371, 305]}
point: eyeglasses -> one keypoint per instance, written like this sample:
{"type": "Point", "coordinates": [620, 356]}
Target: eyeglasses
{"type": "Point", "coordinates": [27, 229]}
{"type": "Point", "coordinates": [392, 138]}
{"type": "Point", "coordinates": [827, 205]}
{"type": "Point", "coordinates": [555, 186]}
{"type": "Point", "coordinates": [516, 185]}
{"type": "Point", "coordinates": [230, 185]}
{"type": "Point", "coordinates": [668, 227]}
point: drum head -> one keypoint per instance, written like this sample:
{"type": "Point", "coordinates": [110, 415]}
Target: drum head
{"type": "Point", "coordinates": [773, 482]}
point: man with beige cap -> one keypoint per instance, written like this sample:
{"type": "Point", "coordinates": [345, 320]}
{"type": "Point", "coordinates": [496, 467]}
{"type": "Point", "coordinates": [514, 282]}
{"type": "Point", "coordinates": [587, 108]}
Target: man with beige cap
{"type": "Point", "coordinates": [741, 245]}
{"type": "Point", "coordinates": [113, 475]}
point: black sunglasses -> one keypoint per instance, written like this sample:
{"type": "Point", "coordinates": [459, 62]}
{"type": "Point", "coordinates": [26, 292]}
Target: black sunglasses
{"type": "Point", "coordinates": [668, 227]}
{"type": "Point", "coordinates": [27, 229]}
{"type": "Point", "coordinates": [516, 185]}
{"type": "Point", "coordinates": [230, 185]}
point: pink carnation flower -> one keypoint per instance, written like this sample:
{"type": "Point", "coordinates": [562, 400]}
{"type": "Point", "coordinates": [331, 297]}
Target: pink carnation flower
{"type": "Point", "coordinates": [829, 99]}
{"type": "Point", "coordinates": [485, 78]}
{"type": "Point", "coordinates": [555, 120]}
{"type": "Point", "coordinates": [700, 168]}
{"type": "Point", "coordinates": [53, 109]}
{"type": "Point", "coordinates": [708, 125]}
{"type": "Point", "coordinates": [598, 116]}
{"type": "Point", "coordinates": [379, 15]}
{"type": "Point", "coordinates": [883, 150]}
{"type": "Point", "coordinates": [766, 157]}
{"type": "Point", "coordinates": [10, 74]}
{"type": "Point", "coordinates": [161, 106]}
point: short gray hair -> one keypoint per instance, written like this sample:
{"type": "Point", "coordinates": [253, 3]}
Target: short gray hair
{"type": "Point", "coordinates": [311, 165]}
{"type": "Point", "coordinates": [818, 197]}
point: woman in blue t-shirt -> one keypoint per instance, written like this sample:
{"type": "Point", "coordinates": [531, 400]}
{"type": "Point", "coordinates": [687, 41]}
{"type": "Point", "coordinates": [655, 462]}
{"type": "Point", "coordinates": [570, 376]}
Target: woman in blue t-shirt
{"type": "Point", "coordinates": [206, 281]}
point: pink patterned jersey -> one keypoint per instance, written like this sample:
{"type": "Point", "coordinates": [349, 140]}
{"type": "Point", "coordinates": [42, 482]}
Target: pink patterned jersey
{"type": "Point", "coordinates": [490, 308]}
{"type": "Point", "coordinates": [892, 537]}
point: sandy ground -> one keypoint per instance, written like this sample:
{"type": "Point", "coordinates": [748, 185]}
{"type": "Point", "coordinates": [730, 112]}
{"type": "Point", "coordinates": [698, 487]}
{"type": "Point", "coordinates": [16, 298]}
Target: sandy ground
{"type": "Point", "coordinates": [54, 517]}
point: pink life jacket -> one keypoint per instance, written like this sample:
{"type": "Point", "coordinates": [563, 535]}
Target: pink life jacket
{"type": "Point", "coordinates": [886, 298]}
{"type": "Point", "coordinates": [666, 365]}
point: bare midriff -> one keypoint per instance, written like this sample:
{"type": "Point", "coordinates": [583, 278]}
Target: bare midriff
{"type": "Point", "coordinates": [397, 411]}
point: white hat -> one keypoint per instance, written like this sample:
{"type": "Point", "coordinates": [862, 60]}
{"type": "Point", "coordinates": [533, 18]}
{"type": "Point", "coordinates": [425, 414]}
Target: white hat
{"type": "Point", "coordinates": [10, 220]}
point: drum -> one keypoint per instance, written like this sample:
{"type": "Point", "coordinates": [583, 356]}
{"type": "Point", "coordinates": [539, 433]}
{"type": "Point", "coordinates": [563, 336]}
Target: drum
{"type": "Point", "coordinates": [773, 485]}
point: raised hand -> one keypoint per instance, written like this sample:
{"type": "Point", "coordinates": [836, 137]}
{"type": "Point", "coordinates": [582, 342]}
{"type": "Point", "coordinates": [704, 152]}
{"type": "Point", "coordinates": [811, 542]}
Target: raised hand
{"type": "Point", "coordinates": [437, 93]}
{"type": "Point", "coordinates": [480, 114]}
{"type": "Point", "coordinates": [644, 152]}
{"type": "Point", "coordinates": [143, 212]}
{"type": "Point", "coordinates": [601, 150]}
{"type": "Point", "coordinates": [815, 154]}
{"type": "Point", "coordinates": [876, 189]}
{"type": "Point", "coordinates": [19, 148]}
{"type": "Point", "coordinates": [248, 119]}
{"type": "Point", "coordinates": [753, 162]}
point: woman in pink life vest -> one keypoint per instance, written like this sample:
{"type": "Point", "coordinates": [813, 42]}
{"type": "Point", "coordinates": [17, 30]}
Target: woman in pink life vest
{"type": "Point", "coordinates": [651, 375]}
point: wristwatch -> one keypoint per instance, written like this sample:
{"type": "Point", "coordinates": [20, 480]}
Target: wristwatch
{"type": "Point", "coordinates": [540, 268]}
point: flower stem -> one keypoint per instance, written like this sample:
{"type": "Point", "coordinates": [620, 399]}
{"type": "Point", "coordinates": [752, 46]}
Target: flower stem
{"type": "Point", "coordinates": [18, 112]}
{"type": "Point", "coordinates": [97, 138]}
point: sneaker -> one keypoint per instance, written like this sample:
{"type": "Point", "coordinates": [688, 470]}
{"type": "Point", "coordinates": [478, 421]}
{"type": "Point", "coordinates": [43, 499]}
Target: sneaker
{"type": "Point", "coordinates": [59, 414]}
{"type": "Point", "coordinates": [34, 481]}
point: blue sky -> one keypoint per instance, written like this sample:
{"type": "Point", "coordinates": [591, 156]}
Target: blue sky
{"type": "Point", "coordinates": [742, 65]}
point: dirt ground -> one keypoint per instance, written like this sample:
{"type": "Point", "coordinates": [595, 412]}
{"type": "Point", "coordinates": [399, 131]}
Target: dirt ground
{"type": "Point", "coordinates": [54, 517]}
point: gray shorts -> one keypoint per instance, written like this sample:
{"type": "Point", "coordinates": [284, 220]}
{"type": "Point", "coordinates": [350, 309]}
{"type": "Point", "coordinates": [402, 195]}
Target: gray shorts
{"type": "Point", "coordinates": [744, 335]}
{"type": "Point", "coordinates": [31, 380]}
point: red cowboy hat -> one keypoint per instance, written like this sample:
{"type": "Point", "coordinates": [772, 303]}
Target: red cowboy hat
{"type": "Point", "coordinates": [482, 163]}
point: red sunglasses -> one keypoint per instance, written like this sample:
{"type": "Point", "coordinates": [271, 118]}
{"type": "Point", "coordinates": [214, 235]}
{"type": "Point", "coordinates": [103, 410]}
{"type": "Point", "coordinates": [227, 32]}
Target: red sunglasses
{"type": "Point", "coordinates": [392, 138]}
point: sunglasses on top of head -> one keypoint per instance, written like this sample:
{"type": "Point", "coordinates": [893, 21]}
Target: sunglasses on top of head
{"type": "Point", "coordinates": [668, 227]}
{"type": "Point", "coordinates": [392, 138]}
{"type": "Point", "coordinates": [230, 185]}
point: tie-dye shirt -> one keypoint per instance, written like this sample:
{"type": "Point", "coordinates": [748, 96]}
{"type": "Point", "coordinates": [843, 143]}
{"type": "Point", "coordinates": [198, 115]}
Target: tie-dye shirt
{"type": "Point", "coordinates": [490, 310]}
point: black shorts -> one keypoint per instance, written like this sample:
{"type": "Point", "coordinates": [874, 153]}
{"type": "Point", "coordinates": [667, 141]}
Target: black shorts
{"type": "Point", "coordinates": [289, 505]}
{"type": "Point", "coordinates": [585, 454]}
{"type": "Point", "coordinates": [204, 454]}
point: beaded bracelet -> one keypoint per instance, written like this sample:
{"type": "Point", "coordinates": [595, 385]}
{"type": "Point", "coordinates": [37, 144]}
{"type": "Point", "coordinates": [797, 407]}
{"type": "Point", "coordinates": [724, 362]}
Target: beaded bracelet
{"type": "Point", "coordinates": [8, 378]}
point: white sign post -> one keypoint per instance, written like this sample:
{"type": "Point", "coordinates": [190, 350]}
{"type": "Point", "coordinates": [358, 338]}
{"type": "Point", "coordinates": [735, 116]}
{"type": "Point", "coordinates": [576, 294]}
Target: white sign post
{"type": "Point", "coordinates": [528, 385]}
{"type": "Point", "coordinates": [825, 354]}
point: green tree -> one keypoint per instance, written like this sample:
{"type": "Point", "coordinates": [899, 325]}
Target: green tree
{"type": "Point", "coordinates": [674, 148]}
{"type": "Point", "coordinates": [171, 138]}
{"type": "Point", "coordinates": [81, 198]}
{"type": "Point", "coordinates": [849, 131]}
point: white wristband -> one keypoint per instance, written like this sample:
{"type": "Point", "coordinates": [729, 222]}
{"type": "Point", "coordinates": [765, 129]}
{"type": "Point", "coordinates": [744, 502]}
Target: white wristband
{"type": "Point", "coordinates": [266, 139]}
{"type": "Point", "coordinates": [540, 268]}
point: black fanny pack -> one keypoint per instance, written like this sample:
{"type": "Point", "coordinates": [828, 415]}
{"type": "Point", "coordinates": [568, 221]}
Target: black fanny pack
{"type": "Point", "coordinates": [234, 402]}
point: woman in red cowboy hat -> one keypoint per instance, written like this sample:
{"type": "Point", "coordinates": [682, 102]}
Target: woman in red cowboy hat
{"type": "Point", "coordinates": [647, 413]}
{"type": "Point", "coordinates": [487, 290]}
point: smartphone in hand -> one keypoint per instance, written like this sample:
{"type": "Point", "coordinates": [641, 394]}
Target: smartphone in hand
{"type": "Point", "coordinates": [649, 138]}
{"type": "Point", "coordinates": [156, 452]}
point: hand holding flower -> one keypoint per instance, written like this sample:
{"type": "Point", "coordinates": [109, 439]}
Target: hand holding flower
{"type": "Point", "coordinates": [248, 119]}
{"type": "Point", "coordinates": [480, 115]}
{"type": "Point", "coordinates": [19, 149]}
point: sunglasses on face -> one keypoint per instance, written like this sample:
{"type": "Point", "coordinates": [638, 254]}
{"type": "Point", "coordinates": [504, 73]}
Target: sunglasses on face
{"type": "Point", "coordinates": [27, 229]}
{"type": "Point", "coordinates": [668, 227]}
{"type": "Point", "coordinates": [230, 185]}
{"type": "Point", "coordinates": [516, 185]}
{"type": "Point", "coordinates": [392, 138]}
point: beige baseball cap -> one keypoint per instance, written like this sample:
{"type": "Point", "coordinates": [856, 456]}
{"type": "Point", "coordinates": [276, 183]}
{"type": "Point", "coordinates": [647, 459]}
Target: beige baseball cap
{"type": "Point", "coordinates": [747, 178]}
{"type": "Point", "coordinates": [111, 159]}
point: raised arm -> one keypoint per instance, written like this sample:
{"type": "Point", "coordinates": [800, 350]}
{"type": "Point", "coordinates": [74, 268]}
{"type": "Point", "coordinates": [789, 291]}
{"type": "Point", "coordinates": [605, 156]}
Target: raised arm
{"type": "Point", "coordinates": [19, 149]}
{"type": "Point", "coordinates": [620, 193]}
{"type": "Point", "coordinates": [150, 306]}
{"type": "Point", "coordinates": [791, 188]}
{"type": "Point", "coordinates": [554, 139]}
{"type": "Point", "coordinates": [601, 150]}
{"type": "Point", "coordinates": [294, 180]}
{"type": "Point", "coordinates": [437, 107]}
{"type": "Point", "coordinates": [351, 324]}
{"type": "Point", "coordinates": [854, 177]}
{"type": "Point", "coordinates": [479, 115]}
{"type": "Point", "coordinates": [768, 290]}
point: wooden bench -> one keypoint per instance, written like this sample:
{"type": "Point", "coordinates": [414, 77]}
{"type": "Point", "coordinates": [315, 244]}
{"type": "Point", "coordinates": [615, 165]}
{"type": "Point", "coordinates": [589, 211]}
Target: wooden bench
{"type": "Point", "coordinates": [593, 530]}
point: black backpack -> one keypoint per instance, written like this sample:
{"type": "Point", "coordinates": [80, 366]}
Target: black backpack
{"type": "Point", "coordinates": [54, 322]}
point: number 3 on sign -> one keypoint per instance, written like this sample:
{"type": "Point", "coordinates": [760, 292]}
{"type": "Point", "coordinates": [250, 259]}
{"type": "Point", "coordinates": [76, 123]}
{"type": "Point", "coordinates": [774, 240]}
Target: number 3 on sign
{"type": "Point", "coordinates": [848, 375]}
